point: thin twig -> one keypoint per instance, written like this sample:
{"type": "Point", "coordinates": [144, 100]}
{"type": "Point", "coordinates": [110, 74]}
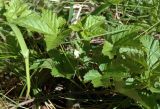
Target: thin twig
{"type": "Point", "coordinates": [9, 90]}
{"type": "Point", "coordinates": [26, 102]}
{"type": "Point", "coordinates": [23, 103]}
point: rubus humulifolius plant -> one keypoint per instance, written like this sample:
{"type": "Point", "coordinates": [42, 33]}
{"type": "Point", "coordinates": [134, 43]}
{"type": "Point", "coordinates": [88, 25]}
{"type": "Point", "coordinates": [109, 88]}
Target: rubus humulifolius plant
{"type": "Point", "coordinates": [133, 63]}
{"type": "Point", "coordinates": [100, 50]}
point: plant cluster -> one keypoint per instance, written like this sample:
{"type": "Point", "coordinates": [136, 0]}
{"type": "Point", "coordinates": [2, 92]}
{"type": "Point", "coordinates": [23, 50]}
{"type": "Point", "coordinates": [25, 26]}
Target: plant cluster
{"type": "Point", "coordinates": [108, 44]}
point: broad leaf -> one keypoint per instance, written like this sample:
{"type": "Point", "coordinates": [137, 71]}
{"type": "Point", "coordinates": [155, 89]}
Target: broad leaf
{"type": "Point", "coordinates": [34, 22]}
{"type": "Point", "coordinates": [77, 27]}
{"type": "Point", "coordinates": [46, 22]}
{"type": "Point", "coordinates": [108, 49]}
{"type": "Point", "coordinates": [94, 76]}
{"type": "Point", "coordinates": [56, 73]}
{"type": "Point", "coordinates": [134, 54]}
{"type": "Point", "coordinates": [94, 21]}
{"type": "Point", "coordinates": [125, 34]}
{"type": "Point", "coordinates": [115, 71]}
{"type": "Point", "coordinates": [16, 9]}
{"type": "Point", "coordinates": [43, 63]}
{"type": "Point", "coordinates": [94, 26]}
{"type": "Point", "coordinates": [151, 47]}
{"type": "Point", "coordinates": [130, 92]}
{"type": "Point", "coordinates": [130, 51]}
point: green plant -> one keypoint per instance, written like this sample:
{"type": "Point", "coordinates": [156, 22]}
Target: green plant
{"type": "Point", "coordinates": [113, 48]}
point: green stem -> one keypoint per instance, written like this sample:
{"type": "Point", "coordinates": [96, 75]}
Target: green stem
{"type": "Point", "coordinates": [25, 85]}
{"type": "Point", "coordinates": [25, 53]}
{"type": "Point", "coordinates": [27, 77]}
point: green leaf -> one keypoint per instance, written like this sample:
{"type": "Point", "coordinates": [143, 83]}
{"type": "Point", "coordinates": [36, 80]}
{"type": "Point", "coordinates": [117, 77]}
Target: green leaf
{"type": "Point", "coordinates": [115, 75]}
{"type": "Point", "coordinates": [103, 67]}
{"type": "Point", "coordinates": [154, 90]}
{"type": "Point", "coordinates": [76, 27]}
{"type": "Point", "coordinates": [34, 22]}
{"type": "Point", "coordinates": [94, 26]}
{"type": "Point", "coordinates": [16, 9]}
{"type": "Point", "coordinates": [93, 21]}
{"type": "Point", "coordinates": [116, 71]}
{"type": "Point", "coordinates": [124, 35]}
{"type": "Point", "coordinates": [151, 47]}
{"type": "Point", "coordinates": [134, 54]}
{"type": "Point", "coordinates": [56, 73]}
{"type": "Point", "coordinates": [61, 22]}
{"type": "Point", "coordinates": [94, 76]}
{"type": "Point", "coordinates": [97, 82]}
{"type": "Point", "coordinates": [54, 42]}
{"type": "Point", "coordinates": [108, 50]}
{"type": "Point", "coordinates": [130, 51]}
{"type": "Point", "coordinates": [130, 92]}
{"type": "Point", "coordinates": [47, 23]}
{"type": "Point", "coordinates": [1, 4]}
{"type": "Point", "coordinates": [150, 100]}
{"type": "Point", "coordinates": [43, 63]}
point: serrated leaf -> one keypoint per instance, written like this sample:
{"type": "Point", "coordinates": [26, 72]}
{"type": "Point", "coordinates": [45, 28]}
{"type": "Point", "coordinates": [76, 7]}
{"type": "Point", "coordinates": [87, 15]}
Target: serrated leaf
{"type": "Point", "coordinates": [94, 76]}
{"type": "Point", "coordinates": [134, 54]}
{"type": "Point", "coordinates": [108, 49]}
{"type": "Point", "coordinates": [43, 63]}
{"type": "Point", "coordinates": [94, 26]}
{"type": "Point", "coordinates": [115, 71]}
{"type": "Point", "coordinates": [51, 41]}
{"type": "Point", "coordinates": [130, 92]}
{"type": "Point", "coordinates": [130, 51]}
{"type": "Point", "coordinates": [115, 75]}
{"type": "Point", "coordinates": [16, 9]}
{"type": "Point", "coordinates": [47, 23]}
{"type": "Point", "coordinates": [33, 22]}
{"type": "Point", "coordinates": [151, 47]}
{"type": "Point", "coordinates": [61, 22]}
{"type": "Point", "coordinates": [93, 20]}
{"type": "Point", "coordinates": [76, 27]}
{"type": "Point", "coordinates": [124, 34]}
